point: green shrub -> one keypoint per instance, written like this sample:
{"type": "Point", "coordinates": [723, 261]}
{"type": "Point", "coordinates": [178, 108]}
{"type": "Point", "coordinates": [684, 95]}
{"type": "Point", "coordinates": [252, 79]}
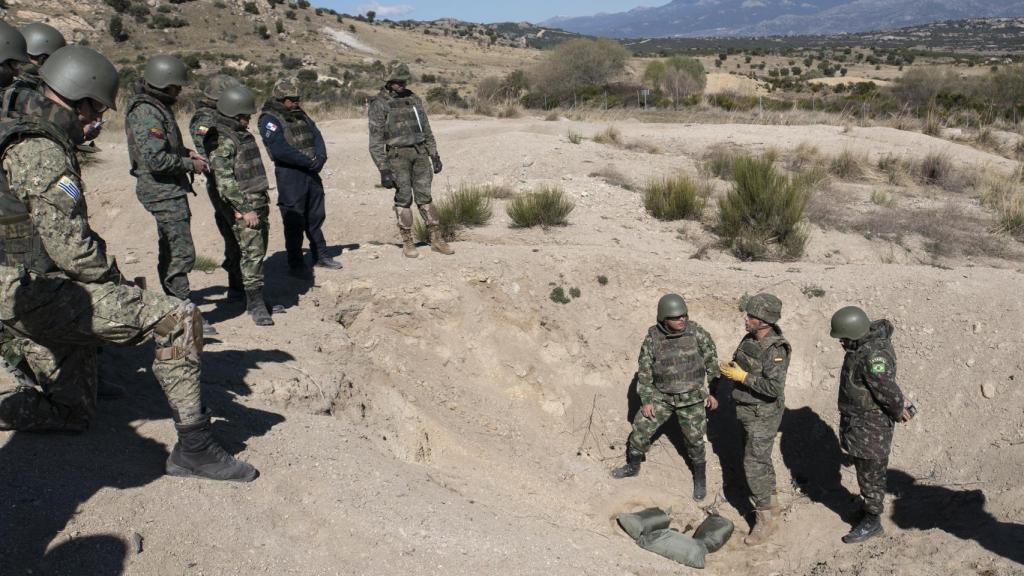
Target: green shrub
{"type": "Point", "coordinates": [547, 206]}
{"type": "Point", "coordinates": [761, 216]}
{"type": "Point", "coordinates": [250, 8]}
{"type": "Point", "coordinates": [205, 264]}
{"type": "Point", "coordinates": [847, 165]}
{"type": "Point", "coordinates": [602, 280]}
{"type": "Point", "coordinates": [674, 198]}
{"type": "Point", "coordinates": [558, 295]}
{"type": "Point", "coordinates": [882, 198]}
{"type": "Point", "coordinates": [936, 168]}
{"type": "Point", "coordinates": [466, 207]}
{"type": "Point", "coordinates": [718, 162]}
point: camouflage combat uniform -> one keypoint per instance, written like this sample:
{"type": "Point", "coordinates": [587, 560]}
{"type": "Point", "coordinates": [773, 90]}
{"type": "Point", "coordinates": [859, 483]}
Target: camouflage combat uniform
{"type": "Point", "coordinates": [241, 181]}
{"type": "Point", "coordinates": [162, 166]}
{"type": "Point", "coordinates": [203, 126]}
{"type": "Point", "coordinates": [870, 402]}
{"type": "Point", "coordinates": [401, 141]}
{"type": "Point", "coordinates": [671, 376]}
{"type": "Point", "coordinates": [61, 296]}
{"type": "Point", "coordinates": [760, 402]}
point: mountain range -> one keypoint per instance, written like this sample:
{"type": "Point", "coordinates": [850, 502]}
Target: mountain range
{"type": "Point", "coordinates": [696, 18]}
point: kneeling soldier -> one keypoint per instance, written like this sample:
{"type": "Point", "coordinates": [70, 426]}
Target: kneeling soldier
{"type": "Point", "coordinates": [674, 359]}
{"type": "Point", "coordinates": [241, 182]}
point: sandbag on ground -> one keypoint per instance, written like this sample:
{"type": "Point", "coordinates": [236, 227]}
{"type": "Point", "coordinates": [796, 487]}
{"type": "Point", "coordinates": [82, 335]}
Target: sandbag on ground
{"type": "Point", "coordinates": [714, 532]}
{"type": "Point", "coordinates": [637, 524]}
{"type": "Point", "coordinates": [675, 546]}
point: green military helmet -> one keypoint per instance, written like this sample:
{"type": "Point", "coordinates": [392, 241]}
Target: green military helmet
{"type": "Point", "coordinates": [765, 307]}
{"type": "Point", "coordinates": [850, 323]}
{"type": "Point", "coordinates": [237, 101]}
{"type": "Point", "coordinates": [400, 73]}
{"type": "Point", "coordinates": [12, 44]}
{"type": "Point", "coordinates": [164, 70]}
{"type": "Point", "coordinates": [286, 88]}
{"type": "Point", "coordinates": [76, 72]}
{"type": "Point", "coordinates": [218, 84]}
{"type": "Point", "coordinates": [42, 39]}
{"type": "Point", "coordinates": [671, 306]}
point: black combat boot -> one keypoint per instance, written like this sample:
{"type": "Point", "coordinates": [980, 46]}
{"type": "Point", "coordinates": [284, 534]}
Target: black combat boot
{"type": "Point", "coordinates": [700, 481]}
{"type": "Point", "coordinates": [631, 468]}
{"type": "Point", "coordinates": [257, 308]}
{"type": "Point", "coordinates": [198, 454]}
{"type": "Point", "coordinates": [869, 527]}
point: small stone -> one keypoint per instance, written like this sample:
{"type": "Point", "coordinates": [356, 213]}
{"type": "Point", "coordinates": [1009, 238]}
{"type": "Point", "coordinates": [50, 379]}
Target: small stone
{"type": "Point", "coordinates": [988, 390]}
{"type": "Point", "coordinates": [976, 328]}
{"type": "Point", "coordinates": [970, 363]}
{"type": "Point", "coordinates": [137, 542]}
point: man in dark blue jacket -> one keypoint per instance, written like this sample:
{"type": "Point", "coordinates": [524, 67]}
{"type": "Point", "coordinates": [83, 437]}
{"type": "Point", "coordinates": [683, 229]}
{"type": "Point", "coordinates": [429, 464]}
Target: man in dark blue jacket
{"type": "Point", "coordinates": [298, 151]}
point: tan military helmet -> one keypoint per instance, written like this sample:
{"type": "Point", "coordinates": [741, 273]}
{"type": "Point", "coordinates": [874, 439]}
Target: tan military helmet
{"type": "Point", "coordinates": [286, 88]}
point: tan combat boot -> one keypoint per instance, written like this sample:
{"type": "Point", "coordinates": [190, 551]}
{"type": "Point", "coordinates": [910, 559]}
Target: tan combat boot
{"type": "Point", "coordinates": [404, 216]}
{"type": "Point", "coordinates": [764, 526]}
{"type": "Point", "coordinates": [437, 243]}
{"type": "Point", "coordinates": [408, 244]}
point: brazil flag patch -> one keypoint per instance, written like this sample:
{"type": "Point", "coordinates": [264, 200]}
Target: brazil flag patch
{"type": "Point", "coordinates": [878, 366]}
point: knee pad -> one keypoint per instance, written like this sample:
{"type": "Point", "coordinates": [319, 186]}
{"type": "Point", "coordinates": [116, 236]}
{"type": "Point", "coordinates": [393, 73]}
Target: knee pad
{"type": "Point", "coordinates": [180, 334]}
{"type": "Point", "coordinates": [429, 214]}
{"type": "Point", "coordinates": [404, 216]}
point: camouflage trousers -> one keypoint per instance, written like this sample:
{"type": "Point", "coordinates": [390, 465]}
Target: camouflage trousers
{"type": "Point", "coordinates": [760, 423]}
{"type": "Point", "coordinates": [413, 175]}
{"type": "Point", "coordinates": [177, 252]}
{"type": "Point", "coordinates": [871, 474]}
{"type": "Point", "coordinates": [692, 419]}
{"type": "Point", "coordinates": [58, 325]}
{"type": "Point", "coordinates": [252, 245]}
{"type": "Point", "coordinates": [232, 253]}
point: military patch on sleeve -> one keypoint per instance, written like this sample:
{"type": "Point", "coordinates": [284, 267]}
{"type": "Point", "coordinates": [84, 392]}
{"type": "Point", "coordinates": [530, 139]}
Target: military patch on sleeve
{"type": "Point", "coordinates": [202, 130]}
{"type": "Point", "coordinates": [878, 365]}
{"type": "Point", "coordinates": [156, 133]}
{"type": "Point", "coordinates": [70, 187]}
{"type": "Point", "coordinates": [271, 127]}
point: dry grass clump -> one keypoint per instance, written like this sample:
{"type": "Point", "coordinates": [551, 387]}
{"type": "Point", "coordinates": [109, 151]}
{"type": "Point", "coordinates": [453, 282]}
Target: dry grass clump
{"type": "Point", "coordinates": [546, 206]}
{"type": "Point", "coordinates": [896, 169]}
{"type": "Point", "coordinates": [609, 135]}
{"type": "Point", "coordinates": [932, 124]}
{"type": "Point", "coordinates": [510, 110]}
{"type": "Point", "coordinates": [883, 198]}
{"type": "Point", "coordinates": [803, 156]}
{"type": "Point", "coordinates": [675, 198]}
{"type": "Point", "coordinates": [612, 176]}
{"type": "Point", "coordinates": [205, 264]}
{"type": "Point", "coordinates": [718, 161]}
{"type": "Point", "coordinates": [574, 136]}
{"type": "Point", "coordinates": [936, 169]}
{"type": "Point", "coordinates": [761, 216]}
{"type": "Point", "coordinates": [1006, 199]}
{"type": "Point", "coordinates": [848, 165]}
{"type": "Point", "coordinates": [552, 116]}
{"type": "Point", "coordinates": [468, 206]}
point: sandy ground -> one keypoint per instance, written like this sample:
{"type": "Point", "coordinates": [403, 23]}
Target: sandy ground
{"type": "Point", "coordinates": [444, 416]}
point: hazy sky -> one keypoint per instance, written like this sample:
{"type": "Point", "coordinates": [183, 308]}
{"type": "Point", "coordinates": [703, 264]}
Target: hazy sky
{"type": "Point", "coordinates": [483, 11]}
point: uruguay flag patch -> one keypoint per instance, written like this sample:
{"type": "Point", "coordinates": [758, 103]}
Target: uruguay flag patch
{"type": "Point", "coordinates": [70, 188]}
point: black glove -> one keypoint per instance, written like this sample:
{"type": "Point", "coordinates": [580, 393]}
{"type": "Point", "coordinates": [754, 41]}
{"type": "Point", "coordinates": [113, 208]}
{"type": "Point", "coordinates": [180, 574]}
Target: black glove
{"type": "Point", "coordinates": [317, 165]}
{"type": "Point", "coordinates": [436, 161]}
{"type": "Point", "coordinates": [387, 179]}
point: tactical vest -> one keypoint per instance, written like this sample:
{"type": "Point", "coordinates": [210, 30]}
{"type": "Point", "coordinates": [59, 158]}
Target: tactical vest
{"type": "Point", "coordinates": [749, 356]}
{"type": "Point", "coordinates": [250, 174]}
{"type": "Point", "coordinates": [20, 243]}
{"type": "Point", "coordinates": [405, 122]}
{"type": "Point", "coordinates": [168, 123]}
{"type": "Point", "coordinates": [295, 123]}
{"type": "Point", "coordinates": [854, 395]}
{"type": "Point", "coordinates": [678, 366]}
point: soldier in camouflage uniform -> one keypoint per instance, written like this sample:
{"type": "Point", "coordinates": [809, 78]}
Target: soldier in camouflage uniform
{"type": "Point", "coordinates": [163, 168]}
{"type": "Point", "coordinates": [870, 403]}
{"type": "Point", "coordinates": [758, 371]}
{"type": "Point", "coordinates": [204, 125]}
{"type": "Point", "coordinates": [241, 181]}
{"type": "Point", "coordinates": [402, 146]}
{"type": "Point", "coordinates": [41, 40]}
{"type": "Point", "coordinates": [299, 153]}
{"type": "Point", "coordinates": [61, 296]}
{"type": "Point", "coordinates": [13, 53]}
{"type": "Point", "coordinates": [675, 357]}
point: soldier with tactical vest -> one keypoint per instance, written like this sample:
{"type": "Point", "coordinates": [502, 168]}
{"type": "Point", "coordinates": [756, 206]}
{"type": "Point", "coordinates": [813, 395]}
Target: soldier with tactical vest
{"type": "Point", "coordinates": [241, 181]}
{"type": "Point", "coordinates": [61, 295]}
{"type": "Point", "coordinates": [675, 358]}
{"type": "Point", "coordinates": [13, 53]}
{"type": "Point", "coordinates": [758, 371]}
{"type": "Point", "coordinates": [163, 168]}
{"type": "Point", "coordinates": [402, 146]}
{"type": "Point", "coordinates": [870, 403]}
{"type": "Point", "coordinates": [299, 153]}
{"type": "Point", "coordinates": [204, 125]}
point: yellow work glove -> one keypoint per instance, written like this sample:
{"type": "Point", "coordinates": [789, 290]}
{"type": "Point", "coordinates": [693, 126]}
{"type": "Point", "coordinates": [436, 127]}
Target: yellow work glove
{"type": "Point", "coordinates": [732, 371]}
